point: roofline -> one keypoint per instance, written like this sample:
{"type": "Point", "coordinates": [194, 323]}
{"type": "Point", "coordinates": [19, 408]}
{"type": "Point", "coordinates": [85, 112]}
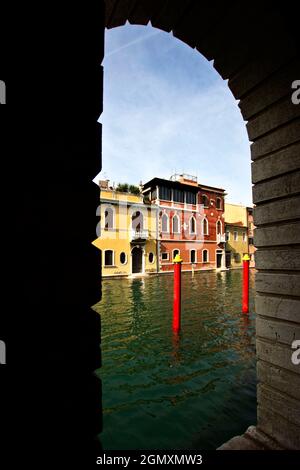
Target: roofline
{"type": "Point", "coordinates": [156, 180]}
{"type": "Point", "coordinates": [198, 187]}
{"type": "Point", "coordinates": [238, 205]}
{"type": "Point", "coordinates": [204, 186]}
{"type": "Point", "coordinates": [236, 224]}
{"type": "Point", "coordinates": [121, 192]}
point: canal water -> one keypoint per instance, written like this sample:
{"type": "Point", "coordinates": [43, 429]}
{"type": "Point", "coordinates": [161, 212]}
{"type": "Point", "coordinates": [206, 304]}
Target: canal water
{"type": "Point", "coordinates": [162, 392]}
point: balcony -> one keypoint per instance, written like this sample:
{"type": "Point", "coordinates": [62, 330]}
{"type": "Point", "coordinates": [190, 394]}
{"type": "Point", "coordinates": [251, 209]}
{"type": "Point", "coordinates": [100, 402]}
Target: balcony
{"type": "Point", "coordinates": [221, 238]}
{"type": "Point", "coordinates": [139, 235]}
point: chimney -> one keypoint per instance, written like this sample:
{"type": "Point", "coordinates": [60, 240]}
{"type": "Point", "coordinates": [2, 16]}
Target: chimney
{"type": "Point", "coordinates": [103, 184]}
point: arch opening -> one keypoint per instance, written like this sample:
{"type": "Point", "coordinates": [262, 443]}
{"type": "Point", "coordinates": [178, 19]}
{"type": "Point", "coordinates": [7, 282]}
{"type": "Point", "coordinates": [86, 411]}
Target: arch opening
{"type": "Point", "coordinates": [256, 132]}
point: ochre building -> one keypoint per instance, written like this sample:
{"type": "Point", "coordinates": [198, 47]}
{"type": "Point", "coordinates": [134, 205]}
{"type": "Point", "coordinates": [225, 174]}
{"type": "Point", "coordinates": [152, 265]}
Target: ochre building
{"type": "Point", "coordinates": [127, 234]}
{"type": "Point", "coordinates": [236, 225]}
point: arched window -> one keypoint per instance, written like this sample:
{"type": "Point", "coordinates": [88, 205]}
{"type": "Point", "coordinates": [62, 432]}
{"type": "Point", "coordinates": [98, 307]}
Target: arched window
{"type": "Point", "coordinates": [193, 256]}
{"type": "Point", "coordinates": [137, 221]}
{"type": "Point", "coordinates": [151, 257]}
{"type": "Point", "coordinates": [108, 219]}
{"type": "Point", "coordinates": [219, 227]}
{"type": "Point", "coordinates": [176, 224]}
{"type": "Point", "coordinates": [205, 256]}
{"type": "Point", "coordinates": [205, 201]}
{"type": "Point", "coordinates": [108, 258]}
{"type": "Point", "coordinates": [176, 252]}
{"type": "Point", "coordinates": [164, 223]}
{"type": "Point", "coordinates": [205, 226]}
{"type": "Point", "coordinates": [219, 203]}
{"type": "Point", "coordinates": [192, 225]}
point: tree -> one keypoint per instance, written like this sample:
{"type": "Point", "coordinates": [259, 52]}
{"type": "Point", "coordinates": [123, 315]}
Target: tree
{"type": "Point", "coordinates": [126, 188]}
{"type": "Point", "coordinates": [134, 189]}
{"type": "Point", "coordinates": [123, 187]}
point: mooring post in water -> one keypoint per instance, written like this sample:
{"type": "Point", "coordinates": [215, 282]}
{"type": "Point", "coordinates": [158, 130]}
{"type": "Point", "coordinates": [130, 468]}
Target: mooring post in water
{"type": "Point", "coordinates": [245, 303]}
{"type": "Point", "coordinates": [177, 294]}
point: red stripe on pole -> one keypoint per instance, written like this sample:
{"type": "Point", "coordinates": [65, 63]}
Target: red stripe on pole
{"type": "Point", "coordinates": [177, 297]}
{"type": "Point", "coordinates": [245, 302]}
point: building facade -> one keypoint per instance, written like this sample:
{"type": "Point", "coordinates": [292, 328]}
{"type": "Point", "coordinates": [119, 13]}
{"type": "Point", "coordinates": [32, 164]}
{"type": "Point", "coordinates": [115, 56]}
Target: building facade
{"type": "Point", "coordinates": [236, 245]}
{"type": "Point", "coordinates": [127, 234]}
{"type": "Point", "coordinates": [190, 222]}
{"type": "Point", "coordinates": [236, 226]}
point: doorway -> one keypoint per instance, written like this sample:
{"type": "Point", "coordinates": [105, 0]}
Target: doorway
{"type": "Point", "coordinates": [228, 259]}
{"type": "Point", "coordinates": [219, 259]}
{"type": "Point", "coordinates": [137, 260]}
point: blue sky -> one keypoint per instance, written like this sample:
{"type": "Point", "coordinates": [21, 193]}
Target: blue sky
{"type": "Point", "coordinates": [167, 110]}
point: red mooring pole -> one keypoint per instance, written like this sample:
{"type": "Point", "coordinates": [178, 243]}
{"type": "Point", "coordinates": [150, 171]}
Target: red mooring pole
{"type": "Point", "coordinates": [245, 303]}
{"type": "Point", "coordinates": [177, 294]}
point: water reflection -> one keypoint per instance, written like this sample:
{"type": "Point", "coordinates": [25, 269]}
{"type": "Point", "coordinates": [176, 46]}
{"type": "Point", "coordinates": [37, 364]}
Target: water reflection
{"type": "Point", "coordinates": [162, 391]}
{"type": "Point", "coordinates": [175, 350]}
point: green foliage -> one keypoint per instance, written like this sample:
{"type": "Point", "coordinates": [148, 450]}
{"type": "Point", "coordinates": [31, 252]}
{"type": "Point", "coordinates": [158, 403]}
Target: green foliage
{"type": "Point", "coordinates": [134, 189]}
{"type": "Point", "coordinates": [123, 187]}
{"type": "Point", "coordinates": [128, 188]}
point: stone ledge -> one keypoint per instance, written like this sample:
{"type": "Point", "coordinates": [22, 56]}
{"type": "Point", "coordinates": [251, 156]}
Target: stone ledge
{"type": "Point", "coordinates": [253, 439]}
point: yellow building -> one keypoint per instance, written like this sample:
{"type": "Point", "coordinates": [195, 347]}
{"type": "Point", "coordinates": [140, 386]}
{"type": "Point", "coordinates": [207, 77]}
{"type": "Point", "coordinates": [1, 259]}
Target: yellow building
{"type": "Point", "coordinates": [127, 235]}
{"type": "Point", "coordinates": [236, 232]}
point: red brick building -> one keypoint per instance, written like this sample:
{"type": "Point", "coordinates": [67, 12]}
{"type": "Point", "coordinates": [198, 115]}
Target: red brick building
{"type": "Point", "coordinates": [190, 222]}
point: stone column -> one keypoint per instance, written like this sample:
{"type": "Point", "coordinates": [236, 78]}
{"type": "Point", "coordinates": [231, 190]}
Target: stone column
{"type": "Point", "coordinates": [274, 128]}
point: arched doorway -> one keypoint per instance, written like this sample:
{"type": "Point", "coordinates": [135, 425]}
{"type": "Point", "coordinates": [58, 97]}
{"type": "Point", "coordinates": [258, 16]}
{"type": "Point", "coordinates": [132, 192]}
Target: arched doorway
{"type": "Point", "coordinates": [137, 260]}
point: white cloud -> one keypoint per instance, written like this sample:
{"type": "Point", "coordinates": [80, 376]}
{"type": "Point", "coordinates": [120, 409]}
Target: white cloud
{"type": "Point", "coordinates": [166, 109]}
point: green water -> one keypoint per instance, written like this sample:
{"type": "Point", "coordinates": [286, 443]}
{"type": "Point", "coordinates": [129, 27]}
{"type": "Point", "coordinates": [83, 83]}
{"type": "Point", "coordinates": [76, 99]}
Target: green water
{"type": "Point", "coordinates": [163, 392]}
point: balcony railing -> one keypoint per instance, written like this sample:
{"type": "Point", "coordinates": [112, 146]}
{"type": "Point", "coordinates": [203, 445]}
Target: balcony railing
{"type": "Point", "coordinates": [139, 234]}
{"type": "Point", "coordinates": [221, 238]}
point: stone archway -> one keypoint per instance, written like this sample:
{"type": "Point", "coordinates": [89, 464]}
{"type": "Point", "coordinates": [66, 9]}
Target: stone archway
{"type": "Point", "coordinates": [255, 49]}
{"type": "Point", "coordinates": [56, 276]}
